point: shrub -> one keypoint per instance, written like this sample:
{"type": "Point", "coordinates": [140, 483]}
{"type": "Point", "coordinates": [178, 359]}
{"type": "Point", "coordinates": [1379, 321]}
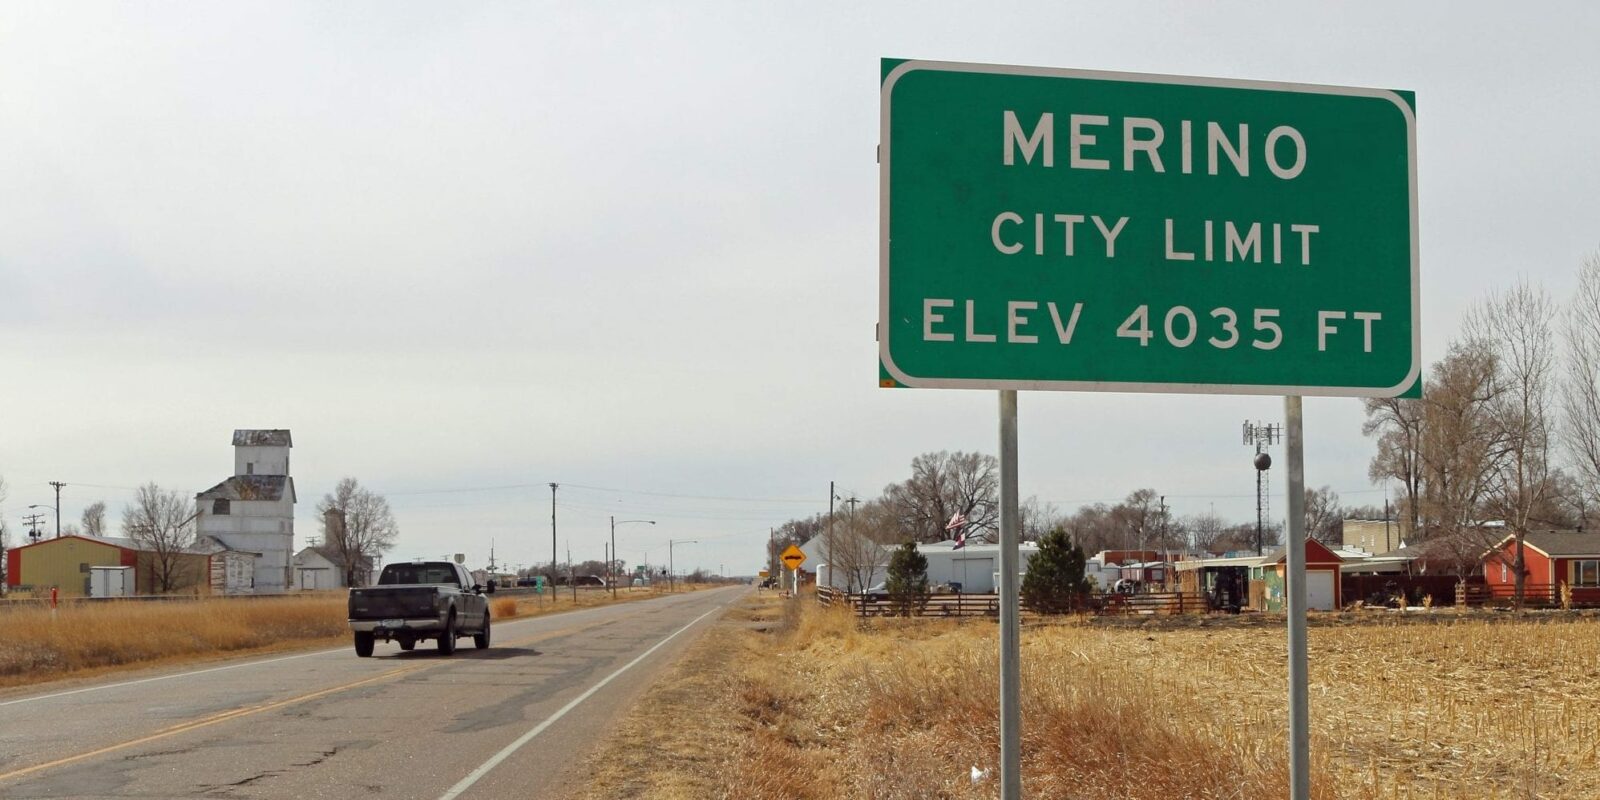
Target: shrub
{"type": "Point", "coordinates": [908, 580]}
{"type": "Point", "coordinates": [1055, 583]}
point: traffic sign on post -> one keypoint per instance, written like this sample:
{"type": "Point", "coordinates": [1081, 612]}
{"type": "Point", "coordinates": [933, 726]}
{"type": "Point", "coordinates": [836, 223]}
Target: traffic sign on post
{"type": "Point", "coordinates": [1076, 230]}
{"type": "Point", "coordinates": [793, 557]}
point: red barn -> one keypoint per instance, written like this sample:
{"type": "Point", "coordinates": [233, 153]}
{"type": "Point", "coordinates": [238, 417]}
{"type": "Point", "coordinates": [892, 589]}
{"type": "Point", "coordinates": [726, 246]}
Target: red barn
{"type": "Point", "coordinates": [1550, 558]}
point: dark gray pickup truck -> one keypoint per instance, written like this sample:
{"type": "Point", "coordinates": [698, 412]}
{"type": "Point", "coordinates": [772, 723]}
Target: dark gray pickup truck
{"type": "Point", "coordinates": [420, 600]}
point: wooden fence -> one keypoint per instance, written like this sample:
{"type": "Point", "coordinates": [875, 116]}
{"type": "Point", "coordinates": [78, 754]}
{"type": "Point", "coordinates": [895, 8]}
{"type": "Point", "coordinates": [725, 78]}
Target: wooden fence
{"type": "Point", "coordinates": [1378, 590]}
{"type": "Point", "coordinates": [1534, 595]}
{"type": "Point", "coordinates": [988, 605]}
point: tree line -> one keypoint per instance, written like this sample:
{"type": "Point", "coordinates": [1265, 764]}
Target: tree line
{"type": "Point", "coordinates": [1506, 436]}
{"type": "Point", "coordinates": [942, 484]}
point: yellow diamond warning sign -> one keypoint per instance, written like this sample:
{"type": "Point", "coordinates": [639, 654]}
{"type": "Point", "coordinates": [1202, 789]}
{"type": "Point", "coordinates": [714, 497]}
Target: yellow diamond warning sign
{"type": "Point", "coordinates": [793, 558]}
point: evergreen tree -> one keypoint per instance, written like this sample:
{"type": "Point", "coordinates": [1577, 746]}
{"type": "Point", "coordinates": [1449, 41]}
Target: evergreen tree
{"type": "Point", "coordinates": [1055, 583]}
{"type": "Point", "coordinates": [908, 579]}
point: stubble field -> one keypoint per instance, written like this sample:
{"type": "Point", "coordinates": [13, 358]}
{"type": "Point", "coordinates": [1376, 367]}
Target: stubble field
{"type": "Point", "coordinates": [810, 703]}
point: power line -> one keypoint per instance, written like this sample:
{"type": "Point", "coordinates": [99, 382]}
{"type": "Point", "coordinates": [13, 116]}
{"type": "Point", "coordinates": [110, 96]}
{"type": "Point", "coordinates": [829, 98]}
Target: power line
{"type": "Point", "coordinates": [772, 500]}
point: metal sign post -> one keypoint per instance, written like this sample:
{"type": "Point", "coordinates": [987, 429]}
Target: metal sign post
{"type": "Point", "coordinates": [1010, 628]}
{"type": "Point", "coordinates": [1295, 548]}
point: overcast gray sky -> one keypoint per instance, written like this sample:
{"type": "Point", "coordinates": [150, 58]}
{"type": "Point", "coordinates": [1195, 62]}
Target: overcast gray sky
{"type": "Point", "coordinates": [463, 250]}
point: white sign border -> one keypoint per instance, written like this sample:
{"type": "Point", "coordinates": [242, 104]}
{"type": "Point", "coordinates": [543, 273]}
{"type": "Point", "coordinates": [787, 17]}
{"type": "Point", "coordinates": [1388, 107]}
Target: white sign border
{"type": "Point", "coordinates": [900, 377]}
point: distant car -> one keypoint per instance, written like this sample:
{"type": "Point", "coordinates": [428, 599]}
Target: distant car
{"type": "Point", "coordinates": [417, 601]}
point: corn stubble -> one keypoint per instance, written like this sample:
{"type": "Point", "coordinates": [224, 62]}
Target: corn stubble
{"type": "Point", "coordinates": [1475, 708]}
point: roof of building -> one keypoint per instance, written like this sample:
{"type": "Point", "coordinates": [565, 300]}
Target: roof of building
{"type": "Point", "coordinates": [1277, 554]}
{"type": "Point", "coordinates": [219, 545]}
{"type": "Point", "coordinates": [262, 438]}
{"type": "Point", "coordinates": [330, 554]}
{"type": "Point", "coordinates": [115, 541]}
{"type": "Point", "coordinates": [1564, 543]}
{"type": "Point", "coordinates": [250, 487]}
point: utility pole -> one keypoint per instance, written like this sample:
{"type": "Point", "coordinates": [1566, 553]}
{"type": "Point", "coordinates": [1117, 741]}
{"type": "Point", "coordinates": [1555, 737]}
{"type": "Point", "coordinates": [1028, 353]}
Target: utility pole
{"type": "Point", "coordinates": [553, 486]}
{"type": "Point", "coordinates": [831, 497]}
{"type": "Point", "coordinates": [32, 521]}
{"type": "Point", "coordinates": [572, 577]}
{"type": "Point", "coordinates": [58, 485]}
{"type": "Point", "coordinates": [1166, 546]}
{"type": "Point", "coordinates": [1386, 546]}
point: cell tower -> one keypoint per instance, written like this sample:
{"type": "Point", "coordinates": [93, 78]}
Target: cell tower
{"type": "Point", "coordinates": [1261, 437]}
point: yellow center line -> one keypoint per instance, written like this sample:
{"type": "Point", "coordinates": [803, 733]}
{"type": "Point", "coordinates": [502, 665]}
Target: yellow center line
{"type": "Point", "coordinates": [225, 716]}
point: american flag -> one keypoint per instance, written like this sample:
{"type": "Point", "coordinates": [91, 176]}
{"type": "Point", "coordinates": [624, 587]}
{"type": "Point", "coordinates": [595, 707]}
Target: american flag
{"type": "Point", "coordinates": [958, 523]}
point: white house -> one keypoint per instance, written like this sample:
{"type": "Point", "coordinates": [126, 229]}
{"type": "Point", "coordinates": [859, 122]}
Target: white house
{"type": "Point", "coordinates": [253, 511]}
{"type": "Point", "coordinates": [975, 567]}
{"type": "Point", "coordinates": [860, 565]}
{"type": "Point", "coordinates": [318, 568]}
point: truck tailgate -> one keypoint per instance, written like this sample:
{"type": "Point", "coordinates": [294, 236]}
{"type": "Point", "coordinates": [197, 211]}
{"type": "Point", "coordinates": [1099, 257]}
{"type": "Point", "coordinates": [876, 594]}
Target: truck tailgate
{"type": "Point", "coordinates": [397, 602]}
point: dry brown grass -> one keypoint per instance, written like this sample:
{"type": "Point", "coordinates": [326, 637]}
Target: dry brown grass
{"type": "Point", "coordinates": [1476, 708]}
{"type": "Point", "coordinates": [38, 646]}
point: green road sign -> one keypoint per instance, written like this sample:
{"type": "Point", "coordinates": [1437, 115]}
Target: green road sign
{"type": "Point", "coordinates": [1064, 229]}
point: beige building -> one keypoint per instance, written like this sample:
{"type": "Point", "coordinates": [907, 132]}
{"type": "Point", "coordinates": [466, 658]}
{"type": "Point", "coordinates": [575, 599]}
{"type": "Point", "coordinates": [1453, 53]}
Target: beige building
{"type": "Point", "coordinates": [1375, 536]}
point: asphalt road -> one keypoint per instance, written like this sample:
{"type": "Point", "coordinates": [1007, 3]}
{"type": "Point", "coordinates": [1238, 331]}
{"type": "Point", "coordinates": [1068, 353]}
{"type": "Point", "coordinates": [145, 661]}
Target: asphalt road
{"type": "Point", "coordinates": [512, 721]}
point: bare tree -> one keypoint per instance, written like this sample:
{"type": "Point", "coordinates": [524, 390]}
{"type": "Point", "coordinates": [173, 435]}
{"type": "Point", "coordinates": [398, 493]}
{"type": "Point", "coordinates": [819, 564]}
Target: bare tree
{"type": "Point", "coordinates": [942, 484]}
{"type": "Point", "coordinates": [1205, 532]}
{"type": "Point", "coordinates": [858, 546]}
{"type": "Point", "coordinates": [357, 528]}
{"type": "Point", "coordinates": [1092, 528]}
{"type": "Point", "coordinates": [161, 524]}
{"type": "Point", "coordinates": [1037, 518]}
{"type": "Point", "coordinates": [1515, 326]}
{"type": "Point", "coordinates": [1462, 444]}
{"type": "Point", "coordinates": [1324, 517]}
{"type": "Point", "coordinates": [1398, 424]}
{"type": "Point", "coordinates": [1139, 517]}
{"type": "Point", "coordinates": [94, 519]}
{"type": "Point", "coordinates": [1580, 385]}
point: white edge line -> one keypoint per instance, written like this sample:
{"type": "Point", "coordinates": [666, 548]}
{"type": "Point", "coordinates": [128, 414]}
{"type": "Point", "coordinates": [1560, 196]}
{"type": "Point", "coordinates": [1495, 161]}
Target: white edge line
{"type": "Point", "coordinates": [494, 761]}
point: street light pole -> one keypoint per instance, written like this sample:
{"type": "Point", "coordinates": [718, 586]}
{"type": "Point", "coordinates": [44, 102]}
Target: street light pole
{"type": "Point", "coordinates": [553, 486]}
{"type": "Point", "coordinates": [614, 546]}
{"type": "Point", "coordinates": [672, 571]}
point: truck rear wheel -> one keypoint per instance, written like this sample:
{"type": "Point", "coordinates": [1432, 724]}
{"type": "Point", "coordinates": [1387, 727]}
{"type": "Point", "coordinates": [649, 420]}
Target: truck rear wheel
{"type": "Point", "coordinates": [447, 637]}
{"type": "Point", "coordinates": [364, 644]}
{"type": "Point", "coordinates": [482, 639]}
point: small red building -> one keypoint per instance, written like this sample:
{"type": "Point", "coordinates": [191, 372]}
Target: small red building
{"type": "Point", "coordinates": [1550, 558]}
{"type": "Point", "coordinates": [1322, 578]}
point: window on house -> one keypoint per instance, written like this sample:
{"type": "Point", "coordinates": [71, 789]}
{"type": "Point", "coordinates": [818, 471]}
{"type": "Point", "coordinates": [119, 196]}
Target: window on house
{"type": "Point", "coordinates": [1586, 573]}
{"type": "Point", "coordinates": [1502, 573]}
{"type": "Point", "coordinates": [219, 507]}
{"type": "Point", "coordinates": [250, 468]}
